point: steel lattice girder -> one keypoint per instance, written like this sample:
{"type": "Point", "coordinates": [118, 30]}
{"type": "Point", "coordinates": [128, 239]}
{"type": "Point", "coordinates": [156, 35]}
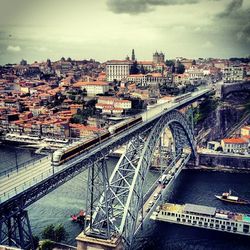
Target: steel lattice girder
{"type": "Point", "coordinates": [16, 231]}
{"type": "Point", "coordinates": [126, 182]}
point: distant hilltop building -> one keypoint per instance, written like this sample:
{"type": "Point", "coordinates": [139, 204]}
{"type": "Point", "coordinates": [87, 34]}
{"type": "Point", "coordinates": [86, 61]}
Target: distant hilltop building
{"type": "Point", "coordinates": [118, 69]}
{"type": "Point", "coordinates": [158, 57]}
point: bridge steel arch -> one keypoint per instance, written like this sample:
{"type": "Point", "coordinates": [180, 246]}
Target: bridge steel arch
{"type": "Point", "coordinates": [119, 205]}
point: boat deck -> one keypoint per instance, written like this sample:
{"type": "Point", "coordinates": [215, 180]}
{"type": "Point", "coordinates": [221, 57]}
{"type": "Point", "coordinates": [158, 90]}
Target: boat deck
{"type": "Point", "coordinates": [204, 217]}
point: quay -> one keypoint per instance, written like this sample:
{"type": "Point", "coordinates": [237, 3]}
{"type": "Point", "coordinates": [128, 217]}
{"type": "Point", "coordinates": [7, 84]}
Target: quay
{"type": "Point", "coordinates": [203, 217]}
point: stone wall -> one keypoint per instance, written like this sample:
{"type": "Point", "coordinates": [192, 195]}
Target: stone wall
{"type": "Point", "coordinates": [233, 162]}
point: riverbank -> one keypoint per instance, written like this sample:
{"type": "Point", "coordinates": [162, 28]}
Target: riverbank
{"type": "Point", "coordinates": [225, 169]}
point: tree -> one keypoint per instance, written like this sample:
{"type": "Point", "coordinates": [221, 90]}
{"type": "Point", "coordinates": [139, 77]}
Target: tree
{"type": "Point", "coordinates": [47, 245]}
{"type": "Point", "coordinates": [134, 69]}
{"type": "Point", "coordinates": [143, 71]}
{"type": "Point", "coordinates": [49, 232]}
{"type": "Point", "coordinates": [60, 233]}
{"type": "Point", "coordinates": [169, 63]}
{"type": "Point", "coordinates": [180, 68]}
{"type": "Point", "coordinates": [53, 233]}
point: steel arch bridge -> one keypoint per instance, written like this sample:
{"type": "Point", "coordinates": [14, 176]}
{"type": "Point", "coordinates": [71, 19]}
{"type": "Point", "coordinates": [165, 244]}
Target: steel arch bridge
{"type": "Point", "coordinates": [114, 203]}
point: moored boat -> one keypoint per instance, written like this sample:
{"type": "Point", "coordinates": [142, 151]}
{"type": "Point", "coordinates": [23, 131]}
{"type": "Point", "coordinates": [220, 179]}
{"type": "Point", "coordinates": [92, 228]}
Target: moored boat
{"type": "Point", "coordinates": [80, 217]}
{"type": "Point", "coordinates": [232, 199]}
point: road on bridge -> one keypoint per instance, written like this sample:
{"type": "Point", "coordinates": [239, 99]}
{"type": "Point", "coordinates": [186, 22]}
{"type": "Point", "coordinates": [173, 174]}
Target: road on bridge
{"type": "Point", "coordinates": [24, 178]}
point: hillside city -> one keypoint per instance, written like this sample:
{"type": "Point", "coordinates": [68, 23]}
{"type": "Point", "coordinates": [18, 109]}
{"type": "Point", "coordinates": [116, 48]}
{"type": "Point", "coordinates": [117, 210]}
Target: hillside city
{"type": "Point", "coordinates": [125, 125]}
{"type": "Point", "coordinates": [68, 100]}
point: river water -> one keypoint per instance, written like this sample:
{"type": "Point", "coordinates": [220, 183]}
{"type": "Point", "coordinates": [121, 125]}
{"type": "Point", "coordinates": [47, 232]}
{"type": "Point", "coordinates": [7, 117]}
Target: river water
{"type": "Point", "coordinates": [192, 186]}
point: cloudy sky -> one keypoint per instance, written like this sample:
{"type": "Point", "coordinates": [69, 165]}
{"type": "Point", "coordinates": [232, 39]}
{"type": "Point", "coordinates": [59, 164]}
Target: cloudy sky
{"type": "Point", "coordinates": [109, 29]}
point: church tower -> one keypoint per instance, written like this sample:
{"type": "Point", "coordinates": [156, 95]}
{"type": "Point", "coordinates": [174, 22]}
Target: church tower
{"type": "Point", "coordinates": [133, 55]}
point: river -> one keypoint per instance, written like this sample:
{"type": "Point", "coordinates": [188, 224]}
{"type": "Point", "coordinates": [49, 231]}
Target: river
{"type": "Point", "coordinates": [192, 186]}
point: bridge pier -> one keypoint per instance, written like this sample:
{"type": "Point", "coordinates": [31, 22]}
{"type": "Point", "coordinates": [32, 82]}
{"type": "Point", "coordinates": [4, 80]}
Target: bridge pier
{"type": "Point", "coordinates": [16, 231]}
{"type": "Point", "coordinates": [85, 242]}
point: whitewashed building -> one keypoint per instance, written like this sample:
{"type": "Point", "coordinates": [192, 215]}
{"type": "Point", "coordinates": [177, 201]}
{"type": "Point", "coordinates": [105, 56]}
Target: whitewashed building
{"type": "Point", "coordinates": [234, 145]}
{"type": "Point", "coordinates": [118, 69]}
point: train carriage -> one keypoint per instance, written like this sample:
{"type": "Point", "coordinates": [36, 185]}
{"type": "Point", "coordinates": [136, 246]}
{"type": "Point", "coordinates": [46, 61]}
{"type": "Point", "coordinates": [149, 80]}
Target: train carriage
{"type": "Point", "coordinates": [61, 156]}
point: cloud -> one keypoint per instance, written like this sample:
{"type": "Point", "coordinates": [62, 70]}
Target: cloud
{"type": "Point", "coordinates": [207, 45]}
{"type": "Point", "coordinates": [134, 7]}
{"type": "Point", "coordinates": [14, 48]}
{"type": "Point", "coordinates": [244, 34]}
{"type": "Point", "coordinates": [231, 8]}
{"type": "Point", "coordinates": [235, 22]}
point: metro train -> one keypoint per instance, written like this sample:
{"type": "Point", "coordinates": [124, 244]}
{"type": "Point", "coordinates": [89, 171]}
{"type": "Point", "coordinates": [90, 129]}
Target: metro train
{"type": "Point", "coordinates": [62, 155]}
{"type": "Point", "coordinates": [182, 97]}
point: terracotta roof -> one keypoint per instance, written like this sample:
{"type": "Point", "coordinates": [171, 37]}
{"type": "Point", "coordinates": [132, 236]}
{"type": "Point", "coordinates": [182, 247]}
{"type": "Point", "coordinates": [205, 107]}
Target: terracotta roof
{"type": "Point", "coordinates": [94, 83]}
{"type": "Point", "coordinates": [234, 141]}
{"type": "Point", "coordinates": [145, 62]}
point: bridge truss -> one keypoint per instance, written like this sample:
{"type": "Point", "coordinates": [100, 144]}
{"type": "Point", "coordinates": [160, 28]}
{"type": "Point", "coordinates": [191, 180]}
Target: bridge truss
{"type": "Point", "coordinates": [115, 210]}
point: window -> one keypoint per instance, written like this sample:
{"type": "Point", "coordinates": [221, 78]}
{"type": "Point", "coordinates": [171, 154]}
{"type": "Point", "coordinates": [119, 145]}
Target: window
{"type": "Point", "coordinates": [245, 228]}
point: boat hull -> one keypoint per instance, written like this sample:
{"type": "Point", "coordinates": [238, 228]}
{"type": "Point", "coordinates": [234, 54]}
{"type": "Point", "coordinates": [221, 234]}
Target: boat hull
{"type": "Point", "coordinates": [240, 201]}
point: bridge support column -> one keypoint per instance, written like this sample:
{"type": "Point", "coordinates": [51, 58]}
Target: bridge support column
{"type": "Point", "coordinates": [16, 231]}
{"type": "Point", "coordinates": [85, 242]}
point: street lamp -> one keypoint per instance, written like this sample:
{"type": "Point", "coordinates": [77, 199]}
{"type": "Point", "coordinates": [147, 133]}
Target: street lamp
{"type": "Point", "coordinates": [16, 159]}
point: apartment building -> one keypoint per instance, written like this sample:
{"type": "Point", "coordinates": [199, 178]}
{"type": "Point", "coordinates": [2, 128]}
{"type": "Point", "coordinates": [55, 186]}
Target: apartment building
{"type": "Point", "coordinates": [233, 74]}
{"type": "Point", "coordinates": [234, 145]}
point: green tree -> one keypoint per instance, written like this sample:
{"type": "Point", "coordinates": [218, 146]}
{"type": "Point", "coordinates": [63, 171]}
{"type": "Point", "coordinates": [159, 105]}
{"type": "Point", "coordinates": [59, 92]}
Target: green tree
{"type": "Point", "coordinates": [54, 233]}
{"type": "Point", "coordinates": [142, 70]}
{"type": "Point", "coordinates": [47, 245]}
{"type": "Point", "coordinates": [49, 232]}
{"type": "Point", "coordinates": [169, 63]}
{"type": "Point", "coordinates": [180, 68]}
{"type": "Point", "coordinates": [60, 233]}
{"type": "Point", "coordinates": [134, 69]}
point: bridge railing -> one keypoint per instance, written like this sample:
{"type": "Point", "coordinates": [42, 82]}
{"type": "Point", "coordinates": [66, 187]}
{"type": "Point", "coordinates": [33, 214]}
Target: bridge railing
{"type": "Point", "coordinates": [25, 185]}
{"type": "Point", "coordinates": [21, 166]}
